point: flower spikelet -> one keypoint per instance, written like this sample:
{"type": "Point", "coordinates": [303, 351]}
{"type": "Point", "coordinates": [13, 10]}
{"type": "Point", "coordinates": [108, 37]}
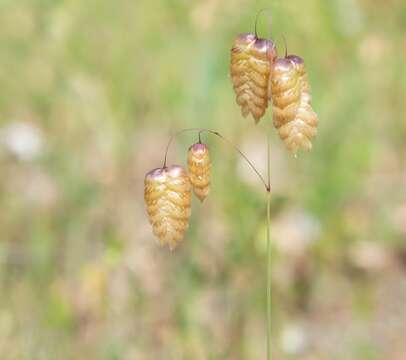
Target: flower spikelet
{"type": "Point", "coordinates": [199, 169]}
{"type": "Point", "coordinates": [293, 115]}
{"type": "Point", "coordinates": [167, 195]}
{"type": "Point", "coordinates": [251, 63]}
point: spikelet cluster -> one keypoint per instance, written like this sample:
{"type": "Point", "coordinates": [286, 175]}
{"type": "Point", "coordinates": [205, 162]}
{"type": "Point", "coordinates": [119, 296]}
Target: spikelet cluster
{"type": "Point", "coordinates": [251, 64]}
{"type": "Point", "coordinates": [199, 169]}
{"type": "Point", "coordinates": [293, 115]}
{"type": "Point", "coordinates": [167, 195]}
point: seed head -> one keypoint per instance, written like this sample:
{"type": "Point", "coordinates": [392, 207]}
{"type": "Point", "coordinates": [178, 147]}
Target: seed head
{"type": "Point", "coordinates": [251, 63]}
{"type": "Point", "coordinates": [167, 195]}
{"type": "Point", "coordinates": [199, 169]}
{"type": "Point", "coordinates": [293, 115]}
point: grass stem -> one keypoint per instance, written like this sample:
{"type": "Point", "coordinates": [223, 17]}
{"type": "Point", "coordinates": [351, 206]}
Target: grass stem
{"type": "Point", "coordinates": [269, 251]}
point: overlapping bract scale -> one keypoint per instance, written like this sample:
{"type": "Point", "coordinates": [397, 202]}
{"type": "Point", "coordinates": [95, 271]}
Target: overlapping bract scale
{"type": "Point", "coordinates": [293, 115]}
{"type": "Point", "coordinates": [167, 195]}
{"type": "Point", "coordinates": [251, 64]}
{"type": "Point", "coordinates": [199, 169]}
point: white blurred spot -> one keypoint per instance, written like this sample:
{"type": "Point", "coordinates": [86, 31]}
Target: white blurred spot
{"type": "Point", "coordinates": [370, 256]}
{"type": "Point", "coordinates": [22, 139]}
{"type": "Point", "coordinates": [294, 231]}
{"type": "Point", "coordinates": [294, 340]}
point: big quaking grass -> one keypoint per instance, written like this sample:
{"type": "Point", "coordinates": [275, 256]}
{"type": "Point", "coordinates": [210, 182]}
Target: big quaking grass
{"type": "Point", "coordinates": [258, 77]}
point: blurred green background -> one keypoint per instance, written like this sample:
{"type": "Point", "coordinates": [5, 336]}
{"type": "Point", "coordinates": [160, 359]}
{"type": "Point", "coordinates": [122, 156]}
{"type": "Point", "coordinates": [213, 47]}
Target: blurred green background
{"type": "Point", "coordinates": [91, 90]}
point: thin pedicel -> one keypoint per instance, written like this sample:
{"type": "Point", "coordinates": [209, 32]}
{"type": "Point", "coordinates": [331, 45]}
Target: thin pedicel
{"type": "Point", "coordinates": [216, 133]}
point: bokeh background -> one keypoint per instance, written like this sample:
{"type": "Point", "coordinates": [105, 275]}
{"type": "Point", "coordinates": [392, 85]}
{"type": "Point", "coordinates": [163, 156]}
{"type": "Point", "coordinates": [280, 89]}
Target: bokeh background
{"type": "Point", "coordinates": [89, 93]}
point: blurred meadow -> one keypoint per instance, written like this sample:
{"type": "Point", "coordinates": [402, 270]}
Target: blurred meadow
{"type": "Point", "coordinates": [90, 91]}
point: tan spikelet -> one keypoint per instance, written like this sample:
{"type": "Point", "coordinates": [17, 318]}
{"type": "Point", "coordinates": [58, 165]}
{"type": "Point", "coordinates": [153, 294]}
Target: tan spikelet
{"type": "Point", "coordinates": [199, 169]}
{"type": "Point", "coordinates": [250, 68]}
{"type": "Point", "coordinates": [293, 115]}
{"type": "Point", "coordinates": [167, 195]}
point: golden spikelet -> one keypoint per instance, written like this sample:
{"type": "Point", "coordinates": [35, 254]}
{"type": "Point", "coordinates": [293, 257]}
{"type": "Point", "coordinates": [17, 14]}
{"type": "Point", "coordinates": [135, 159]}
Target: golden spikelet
{"type": "Point", "coordinates": [199, 169]}
{"type": "Point", "coordinates": [167, 195]}
{"type": "Point", "coordinates": [251, 64]}
{"type": "Point", "coordinates": [293, 115]}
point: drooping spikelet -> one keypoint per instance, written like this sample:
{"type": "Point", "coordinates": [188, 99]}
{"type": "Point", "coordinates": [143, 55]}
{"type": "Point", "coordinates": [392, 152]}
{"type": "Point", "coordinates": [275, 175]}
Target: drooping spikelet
{"type": "Point", "coordinates": [167, 195]}
{"type": "Point", "coordinates": [199, 169]}
{"type": "Point", "coordinates": [293, 115]}
{"type": "Point", "coordinates": [251, 65]}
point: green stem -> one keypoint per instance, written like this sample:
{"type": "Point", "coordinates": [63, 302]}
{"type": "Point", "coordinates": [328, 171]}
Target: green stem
{"type": "Point", "coordinates": [268, 257]}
